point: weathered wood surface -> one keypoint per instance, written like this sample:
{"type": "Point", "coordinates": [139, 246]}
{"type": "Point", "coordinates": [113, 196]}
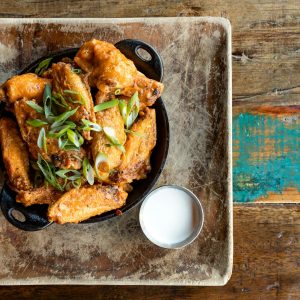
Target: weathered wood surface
{"type": "Point", "coordinates": [266, 265]}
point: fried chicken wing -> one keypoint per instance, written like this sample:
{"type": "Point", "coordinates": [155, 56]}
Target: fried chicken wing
{"type": "Point", "coordinates": [40, 195]}
{"type": "Point", "coordinates": [73, 88]}
{"type": "Point", "coordinates": [26, 86]}
{"type": "Point", "coordinates": [138, 147]}
{"type": "Point", "coordinates": [110, 70]}
{"type": "Point", "coordinates": [60, 158]}
{"type": "Point", "coordinates": [109, 118]}
{"type": "Point", "coordinates": [80, 204]}
{"type": "Point", "coordinates": [15, 155]}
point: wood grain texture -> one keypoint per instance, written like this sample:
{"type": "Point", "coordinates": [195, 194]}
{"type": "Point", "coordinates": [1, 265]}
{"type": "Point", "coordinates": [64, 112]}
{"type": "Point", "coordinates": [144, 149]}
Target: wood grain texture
{"type": "Point", "coordinates": [266, 265]}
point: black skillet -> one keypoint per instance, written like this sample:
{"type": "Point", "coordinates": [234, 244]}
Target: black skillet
{"type": "Point", "coordinates": [35, 216]}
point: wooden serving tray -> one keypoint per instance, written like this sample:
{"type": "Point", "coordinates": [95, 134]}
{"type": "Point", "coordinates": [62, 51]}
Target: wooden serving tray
{"type": "Point", "coordinates": [197, 67]}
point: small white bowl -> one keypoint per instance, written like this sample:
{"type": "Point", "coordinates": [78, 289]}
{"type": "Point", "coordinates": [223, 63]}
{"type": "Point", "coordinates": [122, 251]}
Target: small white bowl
{"type": "Point", "coordinates": [171, 216]}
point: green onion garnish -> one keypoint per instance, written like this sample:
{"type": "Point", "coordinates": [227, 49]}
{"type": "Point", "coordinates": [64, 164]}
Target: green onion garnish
{"type": "Point", "coordinates": [123, 109]}
{"type": "Point", "coordinates": [63, 174]}
{"type": "Point", "coordinates": [43, 66]}
{"type": "Point", "coordinates": [90, 126]}
{"type": "Point", "coordinates": [59, 120]}
{"type": "Point", "coordinates": [88, 171]}
{"type": "Point", "coordinates": [133, 108]}
{"type": "Point", "coordinates": [59, 131]}
{"type": "Point", "coordinates": [59, 100]}
{"type": "Point", "coordinates": [47, 101]}
{"type": "Point", "coordinates": [77, 70]}
{"type": "Point", "coordinates": [36, 123]}
{"type": "Point", "coordinates": [100, 159]}
{"type": "Point", "coordinates": [81, 99]}
{"type": "Point", "coordinates": [35, 106]}
{"type": "Point", "coordinates": [42, 140]}
{"type": "Point", "coordinates": [73, 138]}
{"type": "Point", "coordinates": [49, 173]}
{"type": "Point", "coordinates": [106, 105]}
{"type": "Point", "coordinates": [111, 136]}
{"type": "Point", "coordinates": [135, 133]}
{"type": "Point", "coordinates": [118, 92]}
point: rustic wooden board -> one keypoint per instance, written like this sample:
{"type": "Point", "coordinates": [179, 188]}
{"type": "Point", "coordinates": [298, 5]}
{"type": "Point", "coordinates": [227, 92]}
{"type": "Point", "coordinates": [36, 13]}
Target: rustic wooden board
{"type": "Point", "coordinates": [266, 265]}
{"type": "Point", "coordinates": [197, 97]}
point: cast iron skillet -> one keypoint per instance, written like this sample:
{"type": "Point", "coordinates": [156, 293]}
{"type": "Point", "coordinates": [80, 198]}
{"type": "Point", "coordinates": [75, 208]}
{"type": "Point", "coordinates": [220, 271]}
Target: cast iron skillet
{"type": "Point", "coordinates": [35, 216]}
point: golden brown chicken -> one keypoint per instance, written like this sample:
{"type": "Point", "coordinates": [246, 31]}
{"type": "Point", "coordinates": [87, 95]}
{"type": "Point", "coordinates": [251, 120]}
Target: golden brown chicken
{"type": "Point", "coordinates": [76, 91]}
{"type": "Point", "coordinates": [81, 204]}
{"type": "Point", "coordinates": [60, 158]}
{"type": "Point", "coordinates": [110, 71]}
{"type": "Point", "coordinates": [111, 118]}
{"type": "Point", "coordinates": [26, 86]}
{"type": "Point", "coordinates": [40, 195]}
{"type": "Point", "coordinates": [138, 148]}
{"type": "Point", "coordinates": [15, 155]}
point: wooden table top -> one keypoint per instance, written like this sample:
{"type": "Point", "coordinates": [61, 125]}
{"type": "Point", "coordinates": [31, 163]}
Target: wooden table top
{"type": "Point", "coordinates": [266, 119]}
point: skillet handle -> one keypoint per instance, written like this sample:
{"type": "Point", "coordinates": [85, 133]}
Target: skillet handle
{"type": "Point", "coordinates": [152, 67]}
{"type": "Point", "coordinates": [34, 217]}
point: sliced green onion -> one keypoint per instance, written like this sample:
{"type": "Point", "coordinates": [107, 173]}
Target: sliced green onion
{"type": "Point", "coordinates": [42, 140]}
{"type": "Point", "coordinates": [106, 105]}
{"type": "Point", "coordinates": [123, 109]}
{"type": "Point", "coordinates": [47, 100]}
{"type": "Point", "coordinates": [111, 136]}
{"type": "Point", "coordinates": [48, 171]}
{"type": "Point", "coordinates": [73, 138]}
{"type": "Point", "coordinates": [81, 101]}
{"type": "Point", "coordinates": [59, 100]}
{"type": "Point", "coordinates": [133, 108]}
{"type": "Point", "coordinates": [90, 126]}
{"type": "Point", "coordinates": [80, 138]}
{"type": "Point", "coordinates": [77, 183]}
{"type": "Point", "coordinates": [100, 158]}
{"type": "Point", "coordinates": [43, 66]}
{"type": "Point", "coordinates": [36, 123]}
{"type": "Point", "coordinates": [62, 142]}
{"type": "Point", "coordinates": [88, 171]}
{"type": "Point", "coordinates": [77, 70]}
{"type": "Point", "coordinates": [63, 174]}
{"type": "Point", "coordinates": [59, 131]}
{"type": "Point", "coordinates": [135, 133]}
{"type": "Point", "coordinates": [35, 106]}
{"type": "Point", "coordinates": [59, 120]}
{"type": "Point", "coordinates": [118, 92]}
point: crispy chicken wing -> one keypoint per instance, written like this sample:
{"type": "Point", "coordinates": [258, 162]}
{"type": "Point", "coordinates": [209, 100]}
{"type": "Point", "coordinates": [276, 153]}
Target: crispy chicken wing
{"type": "Point", "coordinates": [15, 154]}
{"type": "Point", "coordinates": [110, 70]}
{"type": "Point", "coordinates": [40, 195]}
{"type": "Point", "coordinates": [136, 159]}
{"type": "Point", "coordinates": [73, 87]}
{"type": "Point", "coordinates": [26, 86]}
{"type": "Point", "coordinates": [60, 158]}
{"type": "Point", "coordinates": [109, 118]}
{"type": "Point", "coordinates": [80, 204]}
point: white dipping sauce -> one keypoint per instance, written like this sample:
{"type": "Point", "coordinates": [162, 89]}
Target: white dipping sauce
{"type": "Point", "coordinates": [170, 216]}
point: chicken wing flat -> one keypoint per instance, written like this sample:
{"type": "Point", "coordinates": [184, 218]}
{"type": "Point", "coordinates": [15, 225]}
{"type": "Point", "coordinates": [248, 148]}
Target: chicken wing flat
{"type": "Point", "coordinates": [60, 158]}
{"type": "Point", "coordinates": [109, 70]}
{"type": "Point", "coordinates": [80, 204]}
{"type": "Point", "coordinates": [40, 195]}
{"type": "Point", "coordinates": [138, 147]}
{"type": "Point", "coordinates": [27, 86]}
{"type": "Point", "coordinates": [15, 155]}
{"type": "Point", "coordinates": [109, 118]}
{"type": "Point", "coordinates": [73, 87]}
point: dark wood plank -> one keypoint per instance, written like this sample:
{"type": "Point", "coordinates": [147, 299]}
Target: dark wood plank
{"type": "Point", "coordinates": [266, 265]}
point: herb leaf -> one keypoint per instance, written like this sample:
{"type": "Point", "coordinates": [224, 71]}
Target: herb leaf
{"type": "Point", "coordinates": [88, 171]}
{"type": "Point", "coordinates": [36, 123]}
{"type": "Point", "coordinates": [43, 66]}
{"type": "Point", "coordinates": [106, 105]}
{"type": "Point", "coordinates": [35, 106]}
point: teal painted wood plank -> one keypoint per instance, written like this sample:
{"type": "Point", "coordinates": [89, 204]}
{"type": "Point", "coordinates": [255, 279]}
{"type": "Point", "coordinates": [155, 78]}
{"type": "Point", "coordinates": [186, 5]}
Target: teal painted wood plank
{"type": "Point", "coordinates": [266, 155]}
